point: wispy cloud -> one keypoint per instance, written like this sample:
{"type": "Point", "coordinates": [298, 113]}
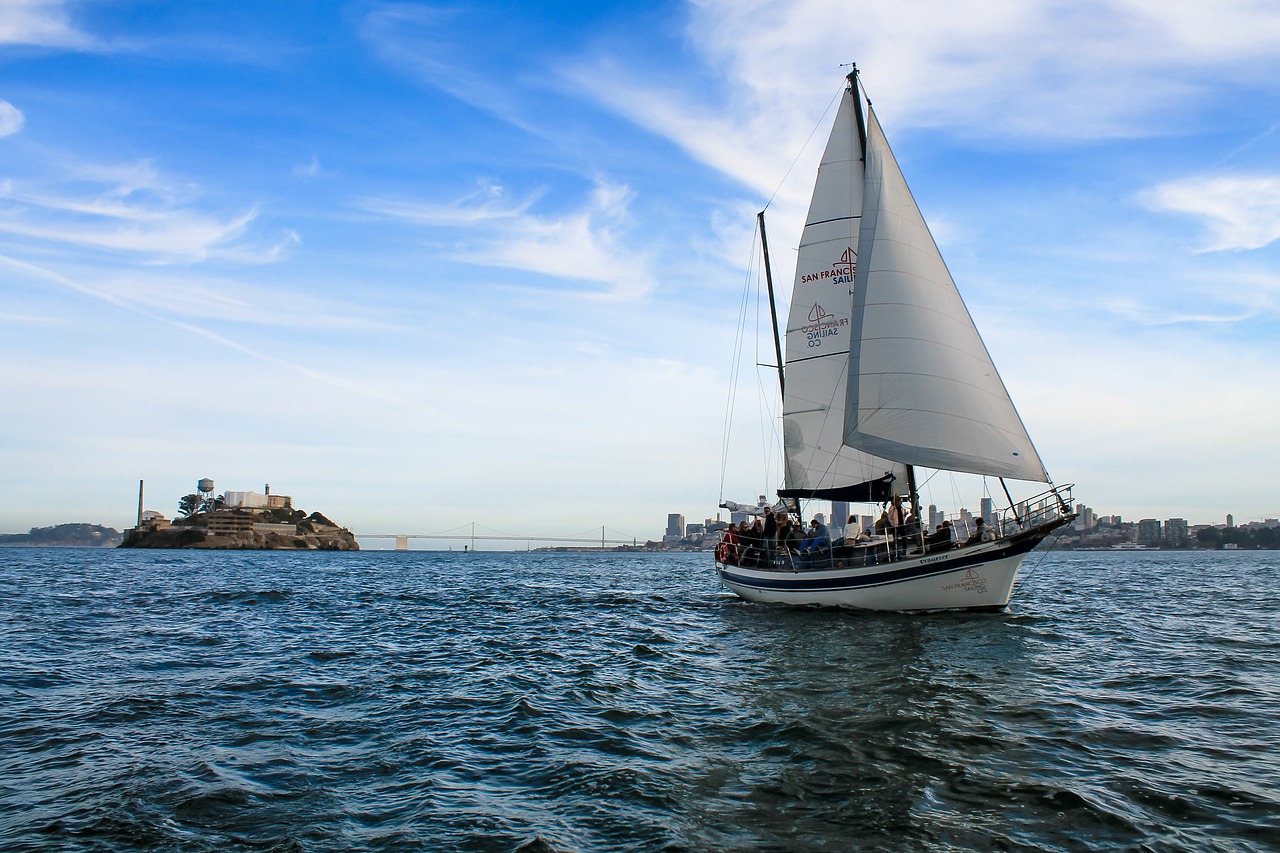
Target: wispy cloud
{"type": "Point", "coordinates": [11, 119]}
{"type": "Point", "coordinates": [120, 298]}
{"type": "Point", "coordinates": [422, 43]}
{"type": "Point", "coordinates": [486, 204]}
{"type": "Point", "coordinates": [1147, 314]}
{"type": "Point", "coordinates": [308, 170]}
{"type": "Point", "coordinates": [586, 244]}
{"type": "Point", "coordinates": [1239, 211]}
{"type": "Point", "coordinates": [130, 209]}
{"type": "Point", "coordinates": [1052, 70]}
{"type": "Point", "coordinates": [41, 23]}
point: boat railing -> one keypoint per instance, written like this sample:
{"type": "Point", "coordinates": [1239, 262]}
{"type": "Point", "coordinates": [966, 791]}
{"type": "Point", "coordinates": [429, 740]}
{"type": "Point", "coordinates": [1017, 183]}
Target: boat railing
{"type": "Point", "coordinates": [1052, 505]}
{"type": "Point", "coordinates": [1049, 507]}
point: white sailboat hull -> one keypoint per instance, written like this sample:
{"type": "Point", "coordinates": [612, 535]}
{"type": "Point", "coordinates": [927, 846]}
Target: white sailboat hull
{"type": "Point", "coordinates": [980, 577]}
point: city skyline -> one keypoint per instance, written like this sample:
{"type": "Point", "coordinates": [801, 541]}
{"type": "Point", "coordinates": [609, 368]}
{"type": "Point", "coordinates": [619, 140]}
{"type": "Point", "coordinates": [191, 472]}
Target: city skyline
{"type": "Point", "coordinates": [341, 248]}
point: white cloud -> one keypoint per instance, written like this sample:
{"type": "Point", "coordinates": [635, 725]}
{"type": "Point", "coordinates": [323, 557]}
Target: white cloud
{"type": "Point", "coordinates": [1053, 69]}
{"type": "Point", "coordinates": [308, 170]}
{"type": "Point", "coordinates": [11, 119]}
{"type": "Point", "coordinates": [583, 245]}
{"type": "Point", "coordinates": [130, 209]}
{"type": "Point", "coordinates": [486, 204]}
{"type": "Point", "coordinates": [1239, 211]}
{"type": "Point", "coordinates": [43, 23]}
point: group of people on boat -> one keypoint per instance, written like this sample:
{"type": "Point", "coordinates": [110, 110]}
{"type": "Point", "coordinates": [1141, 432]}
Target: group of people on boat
{"type": "Point", "coordinates": [770, 537]}
{"type": "Point", "coordinates": [773, 539]}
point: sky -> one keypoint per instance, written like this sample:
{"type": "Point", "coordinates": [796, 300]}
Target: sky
{"type": "Point", "coordinates": [420, 265]}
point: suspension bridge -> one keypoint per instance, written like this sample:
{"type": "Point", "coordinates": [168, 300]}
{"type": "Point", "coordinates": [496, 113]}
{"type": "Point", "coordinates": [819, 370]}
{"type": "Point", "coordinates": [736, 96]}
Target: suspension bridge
{"type": "Point", "coordinates": [474, 533]}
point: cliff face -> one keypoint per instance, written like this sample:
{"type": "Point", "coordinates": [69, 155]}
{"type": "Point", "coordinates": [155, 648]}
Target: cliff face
{"type": "Point", "coordinates": [230, 531]}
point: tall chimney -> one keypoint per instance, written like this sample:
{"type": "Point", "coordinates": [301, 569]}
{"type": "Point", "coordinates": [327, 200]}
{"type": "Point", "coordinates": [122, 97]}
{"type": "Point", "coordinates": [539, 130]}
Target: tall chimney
{"type": "Point", "coordinates": [140, 503]}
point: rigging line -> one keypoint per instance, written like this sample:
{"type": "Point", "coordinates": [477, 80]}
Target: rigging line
{"type": "Point", "coordinates": [804, 147]}
{"type": "Point", "coordinates": [1053, 544]}
{"type": "Point", "coordinates": [735, 369]}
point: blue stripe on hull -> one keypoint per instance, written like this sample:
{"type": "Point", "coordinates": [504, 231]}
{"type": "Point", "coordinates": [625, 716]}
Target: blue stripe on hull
{"type": "Point", "coordinates": [798, 581]}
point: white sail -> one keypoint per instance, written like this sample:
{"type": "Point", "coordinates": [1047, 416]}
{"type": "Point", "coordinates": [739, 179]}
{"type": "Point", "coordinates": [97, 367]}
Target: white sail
{"type": "Point", "coordinates": [818, 327]}
{"type": "Point", "coordinates": [921, 387]}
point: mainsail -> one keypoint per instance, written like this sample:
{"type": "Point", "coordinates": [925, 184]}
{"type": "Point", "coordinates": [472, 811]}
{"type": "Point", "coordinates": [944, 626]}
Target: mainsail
{"type": "Point", "coordinates": [921, 387]}
{"type": "Point", "coordinates": [819, 465]}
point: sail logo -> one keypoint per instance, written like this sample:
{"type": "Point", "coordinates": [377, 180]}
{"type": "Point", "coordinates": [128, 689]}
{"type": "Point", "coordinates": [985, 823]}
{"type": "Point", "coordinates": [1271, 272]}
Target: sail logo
{"type": "Point", "coordinates": [822, 324]}
{"type": "Point", "coordinates": [841, 271]}
{"type": "Point", "coordinates": [971, 582]}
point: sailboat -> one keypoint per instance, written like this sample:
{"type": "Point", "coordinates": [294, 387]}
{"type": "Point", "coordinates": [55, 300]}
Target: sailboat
{"type": "Point", "coordinates": [885, 372]}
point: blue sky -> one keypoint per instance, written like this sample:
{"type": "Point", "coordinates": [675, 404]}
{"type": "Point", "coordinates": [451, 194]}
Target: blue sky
{"type": "Point", "coordinates": [419, 265]}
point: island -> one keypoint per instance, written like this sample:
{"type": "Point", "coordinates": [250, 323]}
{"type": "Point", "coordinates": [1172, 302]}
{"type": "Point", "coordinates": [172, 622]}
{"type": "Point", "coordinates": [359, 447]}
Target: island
{"type": "Point", "coordinates": [238, 521]}
{"type": "Point", "coordinates": [76, 535]}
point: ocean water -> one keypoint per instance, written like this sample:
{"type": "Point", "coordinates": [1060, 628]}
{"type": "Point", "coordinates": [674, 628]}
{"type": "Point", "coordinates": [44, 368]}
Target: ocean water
{"type": "Point", "coordinates": [194, 701]}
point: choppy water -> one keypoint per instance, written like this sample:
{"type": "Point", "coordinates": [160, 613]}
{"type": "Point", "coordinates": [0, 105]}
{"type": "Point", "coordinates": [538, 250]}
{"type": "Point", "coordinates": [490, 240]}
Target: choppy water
{"type": "Point", "coordinates": [434, 701]}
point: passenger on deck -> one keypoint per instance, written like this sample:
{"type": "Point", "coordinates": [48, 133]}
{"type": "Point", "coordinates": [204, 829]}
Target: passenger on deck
{"type": "Point", "coordinates": [757, 548]}
{"type": "Point", "coordinates": [818, 539]}
{"type": "Point", "coordinates": [727, 551]}
{"type": "Point", "coordinates": [940, 539]}
{"type": "Point", "coordinates": [897, 527]}
{"type": "Point", "coordinates": [769, 536]}
{"type": "Point", "coordinates": [981, 533]}
{"type": "Point", "coordinates": [788, 537]}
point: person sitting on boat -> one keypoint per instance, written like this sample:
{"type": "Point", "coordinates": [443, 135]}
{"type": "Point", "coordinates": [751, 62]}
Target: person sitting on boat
{"type": "Point", "coordinates": [728, 549]}
{"type": "Point", "coordinates": [940, 539]}
{"type": "Point", "coordinates": [748, 546]}
{"type": "Point", "coordinates": [981, 533]}
{"type": "Point", "coordinates": [818, 538]}
{"type": "Point", "coordinates": [816, 545]}
{"type": "Point", "coordinates": [912, 533]}
{"type": "Point", "coordinates": [853, 545]}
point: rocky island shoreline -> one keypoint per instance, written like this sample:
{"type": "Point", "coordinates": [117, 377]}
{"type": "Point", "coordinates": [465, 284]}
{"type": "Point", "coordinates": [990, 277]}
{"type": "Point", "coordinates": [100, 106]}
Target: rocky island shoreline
{"type": "Point", "coordinates": [238, 521]}
{"type": "Point", "coordinates": [311, 532]}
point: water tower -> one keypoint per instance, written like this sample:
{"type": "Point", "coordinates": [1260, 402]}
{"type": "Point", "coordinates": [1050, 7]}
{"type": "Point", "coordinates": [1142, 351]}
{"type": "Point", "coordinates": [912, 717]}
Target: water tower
{"type": "Point", "coordinates": [205, 488]}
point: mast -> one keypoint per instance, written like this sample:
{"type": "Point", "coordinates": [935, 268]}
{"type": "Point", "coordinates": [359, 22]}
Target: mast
{"type": "Point", "coordinates": [773, 309]}
{"type": "Point", "coordinates": [773, 315]}
{"type": "Point", "coordinates": [857, 110]}
{"type": "Point", "coordinates": [914, 497]}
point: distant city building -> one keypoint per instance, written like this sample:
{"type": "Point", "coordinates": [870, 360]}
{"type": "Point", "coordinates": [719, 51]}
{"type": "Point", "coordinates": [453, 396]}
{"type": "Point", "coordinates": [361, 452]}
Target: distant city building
{"type": "Point", "coordinates": [839, 519]}
{"type": "Point", "coordinates": [1149, 532]}
{"type": "Point", "coordinates": [988, 509]}
{"type": "Point", "coordinates": [1231, 520]}
{"type": "Point", "coordinates": [675, 526]}
{"type": "Point", "coordinates": [1175, 533]}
